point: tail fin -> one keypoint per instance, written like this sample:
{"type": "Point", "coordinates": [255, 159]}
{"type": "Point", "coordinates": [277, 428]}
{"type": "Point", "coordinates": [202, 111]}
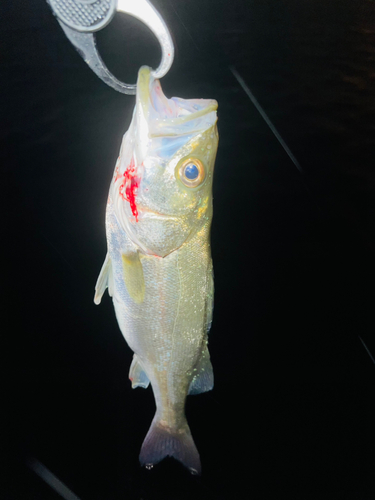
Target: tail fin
{"type": "Point", "coordinates": [161, 441]}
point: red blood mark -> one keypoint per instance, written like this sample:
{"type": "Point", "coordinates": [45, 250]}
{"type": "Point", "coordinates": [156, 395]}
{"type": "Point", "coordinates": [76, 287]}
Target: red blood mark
{"type": "Point", "coordinates": [129, 186]}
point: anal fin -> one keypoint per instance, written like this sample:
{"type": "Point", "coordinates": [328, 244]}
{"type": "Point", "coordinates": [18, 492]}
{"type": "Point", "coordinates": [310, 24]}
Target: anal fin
{"type": "Point", "coordinates": [137, 374]}
{"type": "Point", "coordinates": [203, 379]}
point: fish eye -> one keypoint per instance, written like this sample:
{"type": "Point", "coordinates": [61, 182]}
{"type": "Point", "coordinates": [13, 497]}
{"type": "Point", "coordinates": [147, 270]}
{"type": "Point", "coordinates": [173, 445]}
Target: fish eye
{"type": "Point", "coordinates": [191, 172]}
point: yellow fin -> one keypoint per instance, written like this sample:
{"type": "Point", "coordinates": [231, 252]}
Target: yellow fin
{"type": "Point", "coordinates": [133, 276]}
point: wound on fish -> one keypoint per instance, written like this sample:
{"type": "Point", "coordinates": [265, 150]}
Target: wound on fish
{"type": "Point", "coordinates": [129, 186]}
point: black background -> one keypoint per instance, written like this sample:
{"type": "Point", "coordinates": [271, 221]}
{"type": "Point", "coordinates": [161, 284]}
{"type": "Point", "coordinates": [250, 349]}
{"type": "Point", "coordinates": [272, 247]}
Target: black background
{"type": "Point", "coordinates": [292, 411]}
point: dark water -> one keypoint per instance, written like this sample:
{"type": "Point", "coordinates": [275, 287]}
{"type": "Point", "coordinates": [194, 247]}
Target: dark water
{"type": "Point", "coordinates": [292, 411]}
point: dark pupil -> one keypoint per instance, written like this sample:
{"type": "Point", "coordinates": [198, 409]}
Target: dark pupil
{"type": "Point", "coordinates": [191, 172]}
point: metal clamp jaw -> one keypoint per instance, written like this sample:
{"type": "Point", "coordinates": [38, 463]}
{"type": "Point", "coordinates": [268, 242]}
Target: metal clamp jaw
{"type": "Point", "coordinates": [81, 18]}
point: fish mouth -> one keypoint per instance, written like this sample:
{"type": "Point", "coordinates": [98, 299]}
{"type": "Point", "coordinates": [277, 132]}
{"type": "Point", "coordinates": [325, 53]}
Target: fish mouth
{"type": "Point", "coordinates": [172, 112]}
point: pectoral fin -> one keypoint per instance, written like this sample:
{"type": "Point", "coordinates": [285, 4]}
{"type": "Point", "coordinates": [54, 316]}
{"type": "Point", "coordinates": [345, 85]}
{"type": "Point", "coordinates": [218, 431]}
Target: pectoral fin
{"type": "Point", "coordinates": [203, 381]}
{"type": "Point", "coordinates": [133, 276]}
{"type": "Point", "coordinates": [137, 374]}
{"type": "Point", "coordinates": [105, 280]}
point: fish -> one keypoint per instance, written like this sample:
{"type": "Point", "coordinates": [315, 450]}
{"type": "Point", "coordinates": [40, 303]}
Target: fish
{"type": "Point", "coordinates": [158, 268]}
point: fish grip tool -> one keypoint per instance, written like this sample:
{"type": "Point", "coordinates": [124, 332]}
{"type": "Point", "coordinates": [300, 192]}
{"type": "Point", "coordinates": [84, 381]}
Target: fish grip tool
{"type": "Point", "coordinates": [80, 19]}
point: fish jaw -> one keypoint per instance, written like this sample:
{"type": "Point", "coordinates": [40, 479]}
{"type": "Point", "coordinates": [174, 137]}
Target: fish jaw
{"type": "Point", "coordinates": [158, 212]}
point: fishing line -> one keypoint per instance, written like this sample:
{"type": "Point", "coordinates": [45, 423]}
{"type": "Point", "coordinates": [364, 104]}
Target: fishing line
{"type": "Point", "coordinates": [367, 349]}
{"type": "Point", "coordinates": [48, 477]}
{"type": "Point", "coordinates": [273, 129]}
{"type": "Point", "coordinates": [265, 118]}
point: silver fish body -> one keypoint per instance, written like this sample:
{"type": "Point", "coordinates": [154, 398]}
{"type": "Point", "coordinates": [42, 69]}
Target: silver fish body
{"type": "Point", "coordinates": [158, 268]}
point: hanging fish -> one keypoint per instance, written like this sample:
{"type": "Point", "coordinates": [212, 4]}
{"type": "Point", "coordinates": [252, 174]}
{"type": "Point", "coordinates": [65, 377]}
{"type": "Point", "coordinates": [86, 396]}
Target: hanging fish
{"type": "Point", "coordinates": [158, 268]}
